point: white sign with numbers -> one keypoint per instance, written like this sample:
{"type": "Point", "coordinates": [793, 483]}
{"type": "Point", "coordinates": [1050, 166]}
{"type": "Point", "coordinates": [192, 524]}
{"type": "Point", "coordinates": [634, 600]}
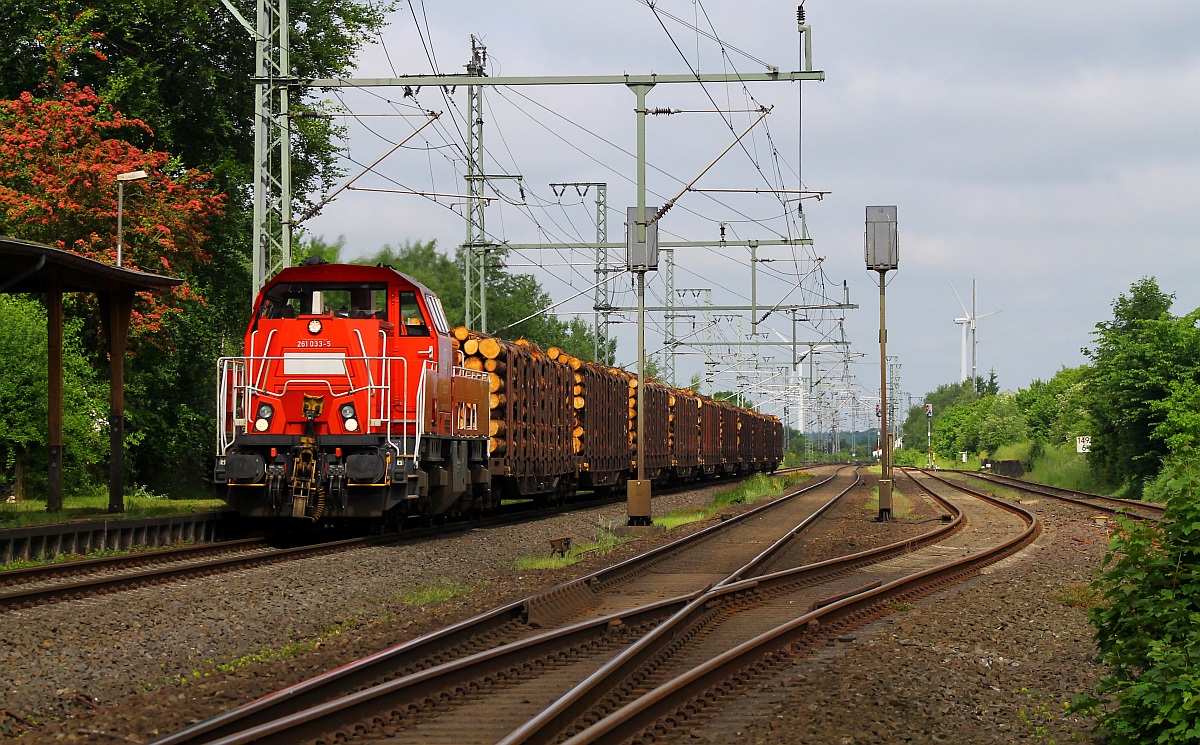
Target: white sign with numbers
{"type": "Point", "coordinates": [1083, 444]}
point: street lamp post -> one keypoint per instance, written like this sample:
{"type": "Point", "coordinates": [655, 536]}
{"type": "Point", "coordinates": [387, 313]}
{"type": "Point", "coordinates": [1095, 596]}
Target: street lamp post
{"type": "Point", "coordinates": [121, 179]}
{"type": "Point", "coordinates": [883, 254]}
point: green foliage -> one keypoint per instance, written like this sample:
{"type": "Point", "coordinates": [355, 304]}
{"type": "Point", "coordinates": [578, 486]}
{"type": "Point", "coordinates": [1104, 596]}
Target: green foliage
{"type": "Point", "coordinates": [317, 246]}
{"type": "Point", "coordinates": [181, 73]}
{"type": "Point", "coordinates": [1056, 410]}
{"type": "Point", "coordinates": [1148, 620]}
{"type": "Point", "coordinates": [989, 387]}
{"type": "Point", "coordinates": [1060, 465]}
{"type": "Point", "coordinates": [737, 399]}
{"type": "Point", "coordinates": [23, 388]}
{"type": "Point", "coordinates": [909, 458]}
{"type": "Point", "coordinates": [1002, 424]}
{"type": "Point", "coordinates": [185, 68]}
{"type": "Point", "coordinates": [946, 397]}
{"type": "Point", "coordinates": [1146, 369]}
{"type": "Point", "coordinates": [93, 504]}
{"type": "Point", "coordinates": [438, 592]}
{"type": "Point", "coordinates": [606, 542]}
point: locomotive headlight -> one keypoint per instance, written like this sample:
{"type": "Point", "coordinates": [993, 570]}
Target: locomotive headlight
{"type": "Point", "coordinates": [314, 326]}
{"type": "Point", "coordinates": [262, 421]}
{"type": "Point", "coordinates": [348, 417]}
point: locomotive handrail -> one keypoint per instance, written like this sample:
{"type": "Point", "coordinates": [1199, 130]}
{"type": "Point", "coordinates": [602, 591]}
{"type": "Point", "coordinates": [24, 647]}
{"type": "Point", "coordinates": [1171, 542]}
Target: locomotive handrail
{"type": "Point", "coordinates": [235, 393]}
{"type": "Point", "coordinates": [227, 367]}
{"type": "Point", "coordinates": [426, 367]}
{"type": "Point", "coordinates": [262, 370]}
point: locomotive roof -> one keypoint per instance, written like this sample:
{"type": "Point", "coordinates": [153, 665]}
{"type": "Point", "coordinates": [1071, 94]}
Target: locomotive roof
{"type": "Point", "coordinates": [345, 273]}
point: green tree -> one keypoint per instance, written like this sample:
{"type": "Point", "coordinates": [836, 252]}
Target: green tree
{"type": "Point", "coordinates": [1140, 358]}
{"type": "Point", "coordinates": [1056, 409]}
{"type": "Point", "coordinates": [946, 430]}
{"type": "Point", "coordinates": [989, 387]}
{"type": "Point", "coordinates": [59, 157]}
{"type": "Point", "coordinates": [1003, 423]}
{"type": "Point", "coordinates": [23, 388]}
{"type": "Point", "coordinates": [186, 68]}
{"type": "Point", "coordinates": [330, 253]}
{"type": "Point", "coordinates": [736, 399]}
{"type": "Point", "coordinates": [429, 266]}
{"type": "Point", "coordinates": [945, 397]}
{"type": "Point", "coordinates": [182, 74]}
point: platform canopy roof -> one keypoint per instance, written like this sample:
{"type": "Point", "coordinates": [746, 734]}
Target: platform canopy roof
{"type": "Point", "coordinates": [34, 267]}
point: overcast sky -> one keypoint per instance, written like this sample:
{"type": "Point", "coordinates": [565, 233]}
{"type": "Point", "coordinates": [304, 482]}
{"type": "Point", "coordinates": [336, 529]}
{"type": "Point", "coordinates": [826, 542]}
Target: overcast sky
{"type": "Point", "coordinates": [1047, 150]}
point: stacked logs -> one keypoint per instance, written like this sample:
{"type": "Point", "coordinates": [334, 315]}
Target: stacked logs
{"type": "Point", "coordinates": [578, 399]}
{"type": "Point", "coordinates": [527, 412]}
{"type": "Point", "coordinates": [685, 430]}
{"type": "Point", "coordinates": [537, 397]}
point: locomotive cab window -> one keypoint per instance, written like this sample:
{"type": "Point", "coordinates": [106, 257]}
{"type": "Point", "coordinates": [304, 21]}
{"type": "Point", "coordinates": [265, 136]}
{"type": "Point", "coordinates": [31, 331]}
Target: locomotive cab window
{"type": "Point", "coordinates": [342, 300]}
{"type": "Point", "coordinates": [439, 315]}
{"type": "Point", "coordinates": [411, 318]}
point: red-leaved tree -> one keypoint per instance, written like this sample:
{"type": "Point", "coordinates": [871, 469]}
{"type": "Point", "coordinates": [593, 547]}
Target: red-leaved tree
{"type": "Point", "coordinates": [59, 161]}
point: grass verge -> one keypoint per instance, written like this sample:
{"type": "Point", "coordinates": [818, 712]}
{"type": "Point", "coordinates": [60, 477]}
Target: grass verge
{"type": "Point", "coordinates": [138, 503]}
{"type": "Point", "coordinates": [902, 504]}
{"type": "Point", "coordinates": [1062, 466]}
{"type": "Point", "coordinates": [605, 542]}
{"type": "Point", "coordinates": [759, 486]}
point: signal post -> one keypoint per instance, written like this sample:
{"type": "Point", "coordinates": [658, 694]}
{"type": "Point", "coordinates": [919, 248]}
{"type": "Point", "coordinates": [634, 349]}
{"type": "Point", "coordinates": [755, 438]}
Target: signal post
{"type": "Point", "coordinates": [883, 254]}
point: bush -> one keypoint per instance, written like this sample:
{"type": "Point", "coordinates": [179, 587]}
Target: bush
{"type": "Point", "coordinates": [1148, 621]}
{"type": "Point", "coordinates": [910, 458]}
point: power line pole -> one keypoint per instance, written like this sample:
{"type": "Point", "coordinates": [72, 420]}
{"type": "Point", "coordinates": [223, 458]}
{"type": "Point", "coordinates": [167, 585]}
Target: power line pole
{"type": "Point", "coordinates": [601, 296]}
{"type": "Point", "coordinates": [271, 234]}
{"type": "Point", "coordinates": [475, 244]}
{"type": "Point", "coordinates": [669, 334]}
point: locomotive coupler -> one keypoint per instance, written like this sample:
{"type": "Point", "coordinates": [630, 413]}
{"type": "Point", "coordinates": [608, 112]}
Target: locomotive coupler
{"type": "Point", "coordinates": [306, 473]}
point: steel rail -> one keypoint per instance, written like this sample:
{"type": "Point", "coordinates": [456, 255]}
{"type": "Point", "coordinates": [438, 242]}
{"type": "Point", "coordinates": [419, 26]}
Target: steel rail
{"type": "Point", "coordinates": [1101, 502]}
{"type": "Point", "coordinates": [674, 701]}
{"type": "Point", "coordinates": [44, 572]}
{"type": "Point", "coordinates": [21, 597]}
{"type": "Point", "coordinates": [260, 718]}
{"type": "Point", "coordinates": [548, 726]}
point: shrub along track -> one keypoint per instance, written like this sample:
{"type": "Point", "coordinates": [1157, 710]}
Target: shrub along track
{"type": "Point", "coordinates": [712, 633]}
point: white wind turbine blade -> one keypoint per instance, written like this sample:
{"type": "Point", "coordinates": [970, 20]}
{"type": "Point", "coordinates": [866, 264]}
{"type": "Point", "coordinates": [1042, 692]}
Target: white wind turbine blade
{"type": "Point", "coordinates": [966, 312]}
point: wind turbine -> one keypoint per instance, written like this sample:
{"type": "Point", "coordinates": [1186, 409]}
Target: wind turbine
{"type": "Point", "coordinates": [969, 323]}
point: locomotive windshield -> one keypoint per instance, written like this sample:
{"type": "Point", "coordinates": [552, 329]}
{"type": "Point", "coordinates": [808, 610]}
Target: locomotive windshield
{"type": "Point", "coordinates": [343, 299]}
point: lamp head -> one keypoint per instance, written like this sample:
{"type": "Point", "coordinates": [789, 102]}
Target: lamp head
{"type": "Point", "coordinates": [132, 176]}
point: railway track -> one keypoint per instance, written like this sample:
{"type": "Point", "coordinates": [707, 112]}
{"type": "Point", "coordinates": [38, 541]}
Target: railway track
{"type": "Point", "coordinates": [550, 617]}
{"type": "Point", "coordinates": [609, 669]}
{"type": "Point", "coordinates": [92, 577]}
{"type": "Point", "coordinates": [1112, 505]}
{"type": "Point", "coordinates": [31, 586]}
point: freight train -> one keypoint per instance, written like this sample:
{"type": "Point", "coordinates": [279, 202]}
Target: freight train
{"type": "Point", "coordinates": [356, 401]}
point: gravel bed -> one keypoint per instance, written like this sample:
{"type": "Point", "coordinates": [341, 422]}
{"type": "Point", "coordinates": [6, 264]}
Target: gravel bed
{"type": "Point", "coordinates": [990, 660]}
{"type": "Point", "coordinates": [141, 663]}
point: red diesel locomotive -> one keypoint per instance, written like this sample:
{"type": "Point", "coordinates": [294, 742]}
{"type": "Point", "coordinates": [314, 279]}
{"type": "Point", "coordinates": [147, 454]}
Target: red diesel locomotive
{"type": "Point", "coordinates": [352, 403]}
